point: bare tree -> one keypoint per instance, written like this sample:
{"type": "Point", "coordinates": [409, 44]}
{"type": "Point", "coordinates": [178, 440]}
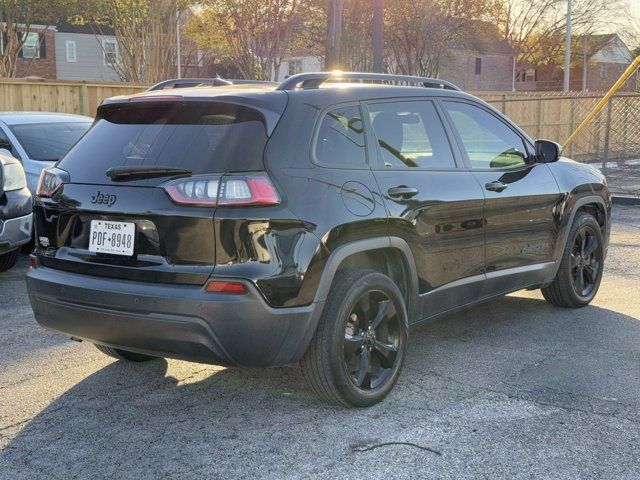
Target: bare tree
{"type": "Point", "coordinates": [256, 34]}
{"type": "Point", "coordinates": [145, 32]}
{"type": "Point", "coordinates": [535, 29]}
{"type": "Point", "coordinates": [16, 19]}
{"type": "Point", "coordinates": [420, 32]}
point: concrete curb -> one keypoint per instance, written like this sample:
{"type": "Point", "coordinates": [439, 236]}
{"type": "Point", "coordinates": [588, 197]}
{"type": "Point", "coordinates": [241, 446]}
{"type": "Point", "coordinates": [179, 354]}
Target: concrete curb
{"type": "Point", "coordinates": [625, 199]}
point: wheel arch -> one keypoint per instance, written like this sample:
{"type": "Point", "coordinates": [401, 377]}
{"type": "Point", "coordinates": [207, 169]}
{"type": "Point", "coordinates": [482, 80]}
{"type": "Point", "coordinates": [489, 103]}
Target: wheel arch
{"type": "Point", "coordinates": [593, 204]}
{"type": "Point", "coordinates": [352, 254]}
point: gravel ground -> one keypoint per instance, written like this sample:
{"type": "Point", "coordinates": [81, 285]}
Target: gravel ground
{"type": "Point", "coordinates": [513, 389]}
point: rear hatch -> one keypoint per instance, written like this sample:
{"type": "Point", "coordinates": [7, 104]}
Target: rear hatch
{"type": "Point", "coordinates": [136, 197]}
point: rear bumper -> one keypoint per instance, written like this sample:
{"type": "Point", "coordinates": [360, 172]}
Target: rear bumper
{"type": "Point", "coordinates": [176, 321]}
{"type": "Point", "coordinates": [15, 232]}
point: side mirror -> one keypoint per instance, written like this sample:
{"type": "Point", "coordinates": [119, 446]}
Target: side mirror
{"type": "Point", "coordinates": [547, 151]}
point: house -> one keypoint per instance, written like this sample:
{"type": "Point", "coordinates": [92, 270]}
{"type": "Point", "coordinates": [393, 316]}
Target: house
{"type": "Point", "coordinates": [597, 61]}
{"type": "Point", "coordinates": [68, 52]}
{"type": "Point", "coordinates": [300, 63]}
{"type": "Point", "coordinates": [37, 55]}
{"type": "Point", "coordinates": [482, 60]}
{"type": "Point", "coordinates": [85, 52]}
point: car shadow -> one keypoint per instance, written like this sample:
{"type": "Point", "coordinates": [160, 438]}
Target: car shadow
{"type": "Point", "coordinates": [137, 418]}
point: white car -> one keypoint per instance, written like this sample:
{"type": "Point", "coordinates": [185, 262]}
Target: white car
{"type": "Point", "coordinates": [16, 217]}
{"type": "Point", "coordinates": [39, 139]}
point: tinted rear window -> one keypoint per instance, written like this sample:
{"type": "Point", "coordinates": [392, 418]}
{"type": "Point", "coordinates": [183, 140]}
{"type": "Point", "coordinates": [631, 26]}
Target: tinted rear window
{"type": "Point", "coordinates": [204, 137]}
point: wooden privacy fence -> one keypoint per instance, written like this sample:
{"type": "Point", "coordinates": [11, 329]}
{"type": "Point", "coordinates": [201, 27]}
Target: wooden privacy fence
{"type": "Point", "coordinates": [614, 133]}
{"type": "Point", "coordinates": [63, 97]}
{"type": "Point", "coordinates": [611, 140]}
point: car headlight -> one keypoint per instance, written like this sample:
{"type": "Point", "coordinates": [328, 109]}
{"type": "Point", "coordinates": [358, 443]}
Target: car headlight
{"type": "Point", "coordinates": [14, 178]}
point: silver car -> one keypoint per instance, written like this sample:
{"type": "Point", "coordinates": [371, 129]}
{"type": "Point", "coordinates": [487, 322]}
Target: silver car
{"type": "Point", "coordinates": [39, 139]}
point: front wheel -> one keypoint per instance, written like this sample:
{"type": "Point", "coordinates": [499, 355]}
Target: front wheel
{"type": "Point", "coordinates": [8, 260]}
{"type": "Point", "coordinates": [358, 350]}
{"type": "Point", "coordinates": [580, 272]}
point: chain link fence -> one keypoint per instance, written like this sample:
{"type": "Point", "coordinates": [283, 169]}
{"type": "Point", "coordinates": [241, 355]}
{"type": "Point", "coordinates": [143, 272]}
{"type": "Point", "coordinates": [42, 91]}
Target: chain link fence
{"type": "Point", "coordinates": [610, 142]}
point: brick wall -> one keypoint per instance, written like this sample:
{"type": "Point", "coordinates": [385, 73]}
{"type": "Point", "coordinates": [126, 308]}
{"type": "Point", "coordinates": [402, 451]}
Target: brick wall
{"type": "Point", "coordinates": [600, 78]}
{"type": "Point", "coordinates": [45, 66]}
{"type": "Point", "coordinates": [496, 70]}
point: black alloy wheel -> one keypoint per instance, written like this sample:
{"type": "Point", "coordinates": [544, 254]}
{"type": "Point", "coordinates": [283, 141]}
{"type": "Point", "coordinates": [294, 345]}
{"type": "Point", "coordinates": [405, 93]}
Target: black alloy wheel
{"type": "Point", "coordinates": [359, 347]}
{"type": "Point", "coordinates": [371, 340]}
{"type": "Point", "coordinates": [586, 261]}
{"type": "Point", "coordinates": [580, 271]}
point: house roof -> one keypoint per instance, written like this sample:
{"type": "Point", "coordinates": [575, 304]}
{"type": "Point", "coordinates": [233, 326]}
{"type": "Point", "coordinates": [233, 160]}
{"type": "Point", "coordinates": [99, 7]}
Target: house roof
{"type": "Point", "coordinates": [595, 42]}
{"type": "Point", "coordinates": [84, 28]}
{"type": "Point", "coordinates": [484, 37]}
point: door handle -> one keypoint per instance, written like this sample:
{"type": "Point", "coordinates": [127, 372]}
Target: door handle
{"type": "Point", "coordinates": [496, 186]}
{"type": "Point", "coordinates": [402, 192]}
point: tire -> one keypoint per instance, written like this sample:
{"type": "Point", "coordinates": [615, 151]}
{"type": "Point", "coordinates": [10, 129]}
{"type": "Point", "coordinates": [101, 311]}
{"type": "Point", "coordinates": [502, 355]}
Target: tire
{"type": "Point", "coordinates": [28, 247]}
{"type": "Point", "coordinates": [581, 266]}
{"type": "Point", "coordinates": [8, 260]}
{"type": "Point", "coordinates": [359, 347]}
{"type": "Point", "coordinates": [123, 354]}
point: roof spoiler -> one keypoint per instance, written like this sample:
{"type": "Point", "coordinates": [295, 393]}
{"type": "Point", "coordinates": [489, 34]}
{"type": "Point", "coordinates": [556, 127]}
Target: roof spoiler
{"type": "Point", "coordinates": [201, 82]}
{"type": "Point", "coordinates": [314, 80]}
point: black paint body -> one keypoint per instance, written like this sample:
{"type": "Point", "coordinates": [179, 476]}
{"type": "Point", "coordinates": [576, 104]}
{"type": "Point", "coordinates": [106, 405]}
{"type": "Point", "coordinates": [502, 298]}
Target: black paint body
{"type": "Point", "coordinates": [454, 243]}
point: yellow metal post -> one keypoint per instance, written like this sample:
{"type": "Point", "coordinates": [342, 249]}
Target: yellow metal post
{"type": "Point", "coordinates": [603, 101]}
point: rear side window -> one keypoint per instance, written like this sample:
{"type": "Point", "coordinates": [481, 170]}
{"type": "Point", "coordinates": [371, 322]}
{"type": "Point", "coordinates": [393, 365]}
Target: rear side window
{"type": "Point", "coordinates": [204, 137]}
{"type": "Point", "coordinates": [340, 141]}
{"type": "Point", "coordinates": [411, 135]}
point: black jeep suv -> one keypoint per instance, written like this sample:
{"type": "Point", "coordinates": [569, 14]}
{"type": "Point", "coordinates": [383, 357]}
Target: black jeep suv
{"type": "Point", "coordinates": [310, 222]}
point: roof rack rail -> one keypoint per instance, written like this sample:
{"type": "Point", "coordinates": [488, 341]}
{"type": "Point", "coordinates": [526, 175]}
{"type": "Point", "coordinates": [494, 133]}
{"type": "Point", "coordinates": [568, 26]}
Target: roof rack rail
{"type": "Point", "coordinates": [314, 80]}
{"type": "Point", "coordinates": [198, 82]}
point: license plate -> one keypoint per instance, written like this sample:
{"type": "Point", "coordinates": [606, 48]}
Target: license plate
{"type": "Point", "coordinates": [112, 237]}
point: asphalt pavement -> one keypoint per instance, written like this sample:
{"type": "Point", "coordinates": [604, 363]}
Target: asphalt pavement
{"type": "Point", "coordinates": [515, 388]}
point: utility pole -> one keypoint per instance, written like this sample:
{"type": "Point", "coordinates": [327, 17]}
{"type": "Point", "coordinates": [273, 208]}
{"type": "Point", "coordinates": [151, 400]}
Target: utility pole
{"type": "Point", "coordinates": [378, 32]}
{"type": "Point", "coordinates": [334, 34]}
{"type": "Point", "coordinates": [584, 63]}
{"type": "Point", "coordinates": [567, 53]}
{"type": "Point", "coordinates": [178, 49]}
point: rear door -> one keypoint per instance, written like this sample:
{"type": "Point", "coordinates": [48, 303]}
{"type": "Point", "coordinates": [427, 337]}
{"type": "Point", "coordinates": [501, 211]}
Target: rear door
{"type": "Point", "coordinates": [173, 242]}
{"type": "Point", "coordinates": [432, 204]}
{"type": "Point", "coordinates": [521, 197]}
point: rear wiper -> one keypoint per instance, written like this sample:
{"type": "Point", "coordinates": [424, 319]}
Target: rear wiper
{"type": "Point", "coordinates": [126, 174]}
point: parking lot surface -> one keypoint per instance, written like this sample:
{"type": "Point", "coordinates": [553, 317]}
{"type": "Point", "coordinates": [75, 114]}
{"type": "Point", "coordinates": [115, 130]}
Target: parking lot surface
{"type": "Point", "coordinates": [515, 388]}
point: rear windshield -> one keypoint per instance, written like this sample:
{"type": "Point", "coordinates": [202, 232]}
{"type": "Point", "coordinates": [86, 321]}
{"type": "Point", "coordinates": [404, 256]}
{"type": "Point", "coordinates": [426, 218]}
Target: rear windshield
{"type": "Point", "coordinates": [204, 137]}
{"type": "Point", "coordinates": [48, 141]}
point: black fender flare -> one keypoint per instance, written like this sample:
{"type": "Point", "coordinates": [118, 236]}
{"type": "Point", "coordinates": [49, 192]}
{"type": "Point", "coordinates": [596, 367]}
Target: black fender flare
{"type": "Point", "coordinates": [334, 261]}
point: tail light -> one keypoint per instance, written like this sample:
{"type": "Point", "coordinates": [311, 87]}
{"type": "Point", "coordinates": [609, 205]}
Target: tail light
{"type": "Point", "coordinates": [254, 189]}
{"type": "Point", "coordinates": [48, 184]}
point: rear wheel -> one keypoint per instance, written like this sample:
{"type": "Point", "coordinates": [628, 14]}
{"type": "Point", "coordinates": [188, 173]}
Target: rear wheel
{"type": "Point", "coordinates": [358, 350]}
{"type": "Point", "coordinates": [123, 354]}
{"type": "Point", "coordinates": [8, 260]}
{"type": "Point", "coordinates": [580, 272]}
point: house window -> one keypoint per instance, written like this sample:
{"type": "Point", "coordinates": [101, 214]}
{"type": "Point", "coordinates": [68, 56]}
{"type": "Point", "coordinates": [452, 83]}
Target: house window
{"type": "Point", "coordinates": [603, 70]}
{"type": "Point", "coordinates": [71, 51]}
{"type": "Point", "coordinates": [478, 65]}
{"type": "Point", "coordinates": [110, 51]}
{"type": "Point", "coordinates": [530, 75]}
{"type": "Point", "coordinates": [295, 66]}
{"type": "Point", "coordinates": [31, 46]}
